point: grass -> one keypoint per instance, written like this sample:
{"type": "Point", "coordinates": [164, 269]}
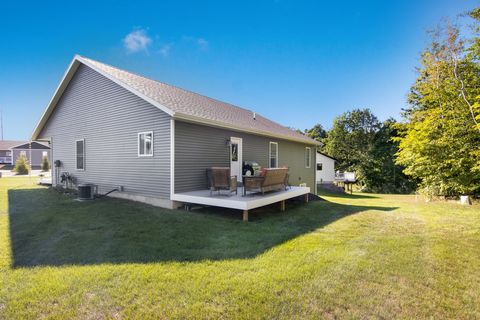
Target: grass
{"type": "Point", "coordinates": [359, 256]}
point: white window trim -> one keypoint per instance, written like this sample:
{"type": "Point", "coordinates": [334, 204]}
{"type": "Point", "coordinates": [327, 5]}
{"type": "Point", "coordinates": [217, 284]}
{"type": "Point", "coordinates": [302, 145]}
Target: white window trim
{"type": "Point", "coordinates": [138, 144]}
{"type": "Point", "coordinates": [309, 158]}
{"type": "Point", "coordinates": [270, 153]}
{"type": "Point", "coordinates": [84, 155]}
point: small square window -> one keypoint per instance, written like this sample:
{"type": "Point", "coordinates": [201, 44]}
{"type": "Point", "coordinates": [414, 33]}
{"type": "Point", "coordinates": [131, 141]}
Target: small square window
{"type": "Point", "coordinates": [319, 166]}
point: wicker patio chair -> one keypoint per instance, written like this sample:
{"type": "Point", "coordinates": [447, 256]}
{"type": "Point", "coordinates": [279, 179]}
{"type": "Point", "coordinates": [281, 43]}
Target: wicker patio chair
{"type": "Point", "coordinates": [219, 178]}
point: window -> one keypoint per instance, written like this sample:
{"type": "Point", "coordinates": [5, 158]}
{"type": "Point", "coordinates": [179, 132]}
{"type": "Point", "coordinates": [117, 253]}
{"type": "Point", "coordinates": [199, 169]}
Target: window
{"type": "Point", "coordinates": [9, 153]}
{"type": "Point", "coordinates": [273, 159]}
{"type": "Point", "coordinates": [308, 157]}
{"type": "Point", "coordinates": [234, 152]}
{"type": "Point", "coordinates": [80, 154]}
{"type": "Point", "coordinates": [145, 144]}
{"type": "Point", "coordinates": [23, 153]}
{"type": "Point", "coordinates": [44, 154]}
{"type": "Point", "coordinates": [319, 167]}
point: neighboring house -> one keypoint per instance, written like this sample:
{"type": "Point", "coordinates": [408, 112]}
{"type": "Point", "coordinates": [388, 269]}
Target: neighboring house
{"type": "Point", "coordinates": [325, 168]}
{"type": "Point", "coordinates": [11, 150]}
{"type": "Point", "coordinates": [5, 150]}
{"type": "Point", "coordinates": [116, 129]}
{"type": "Point", "coordinates": [34, 152]}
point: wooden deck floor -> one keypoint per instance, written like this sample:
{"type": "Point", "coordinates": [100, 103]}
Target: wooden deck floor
{"type": "Point", "coordinates": [240, 202]}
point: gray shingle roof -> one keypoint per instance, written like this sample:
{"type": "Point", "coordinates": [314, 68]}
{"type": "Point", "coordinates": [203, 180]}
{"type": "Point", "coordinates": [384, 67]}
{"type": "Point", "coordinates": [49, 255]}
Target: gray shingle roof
{"type": "Point", "coordinates": [7, 144]}
{"type": "Point", "coordinates": [193, 106]}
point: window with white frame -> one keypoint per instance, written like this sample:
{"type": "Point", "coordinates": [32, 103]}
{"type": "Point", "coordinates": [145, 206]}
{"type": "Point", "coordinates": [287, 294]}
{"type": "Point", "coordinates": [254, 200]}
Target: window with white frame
{"type": "Point", "coordinates": [145, 144]}
{"type": "Point", "coordinates": [308, 157]}
{"type": "Point", "coordinates": [44, 154]}
{"type": "Point", "coordinates": [273, 155]}
{"type": "Point", "coordinates": [80, 154]}
{"type": "Point", "coordinates": [23, 153]}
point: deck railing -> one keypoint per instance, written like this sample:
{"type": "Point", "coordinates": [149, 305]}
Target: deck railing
{"type": "Point", "coordinates": [6, 159]}
{"type": "Point", "coordinates": [345, 176]}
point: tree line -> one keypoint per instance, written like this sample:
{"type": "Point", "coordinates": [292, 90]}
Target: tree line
{"type": "Point", "coordinates": [435, 148]}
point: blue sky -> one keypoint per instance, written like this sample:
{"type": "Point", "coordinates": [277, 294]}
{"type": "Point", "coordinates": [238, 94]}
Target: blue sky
{"type": "Point", "coordinates": [296, 62]}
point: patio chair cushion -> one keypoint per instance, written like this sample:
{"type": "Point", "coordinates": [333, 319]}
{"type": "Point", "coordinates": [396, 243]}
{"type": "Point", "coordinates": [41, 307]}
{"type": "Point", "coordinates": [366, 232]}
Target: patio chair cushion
{"type": "Point", "coordinates": [274, 179]}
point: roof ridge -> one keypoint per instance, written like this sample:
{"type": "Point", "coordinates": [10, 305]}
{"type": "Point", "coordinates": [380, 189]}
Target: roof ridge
{"type": "Point", "coordinates": [167, 84]}
{"type": "Point", "coordinates": [181, 103]}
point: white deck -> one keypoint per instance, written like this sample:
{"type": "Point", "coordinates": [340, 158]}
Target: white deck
{"type": "Point", "coordinates": [250, 201]}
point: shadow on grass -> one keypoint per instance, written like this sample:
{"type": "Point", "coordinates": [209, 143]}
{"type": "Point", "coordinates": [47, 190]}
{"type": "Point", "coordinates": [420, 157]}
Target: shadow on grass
{"type": "Point", "coordinates": [347, 195]}
{"type": "Point", "coordinates": [50, 229]}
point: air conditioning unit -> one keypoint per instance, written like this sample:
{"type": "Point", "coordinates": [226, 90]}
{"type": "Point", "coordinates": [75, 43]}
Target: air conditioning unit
{"type": "Point", "coordinates": [86, 191]}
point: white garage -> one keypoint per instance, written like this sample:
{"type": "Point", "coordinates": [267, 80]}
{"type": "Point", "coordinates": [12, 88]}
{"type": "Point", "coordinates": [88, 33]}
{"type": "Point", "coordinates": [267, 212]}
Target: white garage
{"type": "Point", "coordinates": [325, 168]}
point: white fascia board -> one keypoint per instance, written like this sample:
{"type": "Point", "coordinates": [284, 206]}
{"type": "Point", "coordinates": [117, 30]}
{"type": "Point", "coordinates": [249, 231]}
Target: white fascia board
{"type": "Point", "coordinates": [68, 75]}
{"type": "Point", "coordinates": [72, 68]}
{"type": "Point", "coordinates": [245, 203]}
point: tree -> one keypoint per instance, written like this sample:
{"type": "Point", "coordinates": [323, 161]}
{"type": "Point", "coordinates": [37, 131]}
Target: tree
{"type": "Point", "coordinates": [439, 142]}
{"type": "Point", "coordinates": [317, 132]}
{"type": "Point", "coordinates": [364, 145]}
{"type": "Point", "coordinates": [383, 175]}
{"type": "Point", "coordinates": [45, 163]}
{"type": "Point", "coordinates": [351, 139]}
{"type": "Point", "coordinates": [21, 165]}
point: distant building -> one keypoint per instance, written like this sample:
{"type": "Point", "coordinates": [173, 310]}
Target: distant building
{"type": "Point", "coordinates": [325, 167]}
{"type": "Point", "coordinates": [34, 152]}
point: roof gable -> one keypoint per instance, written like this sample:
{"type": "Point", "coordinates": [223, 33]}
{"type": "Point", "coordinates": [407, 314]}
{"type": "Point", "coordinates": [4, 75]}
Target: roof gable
{"type": "Point", "coordinates": [178, 103]}
{"type": "Point", "coordinates": [326, 155]}
{"type": "Point", "coordinates": [33, 144]}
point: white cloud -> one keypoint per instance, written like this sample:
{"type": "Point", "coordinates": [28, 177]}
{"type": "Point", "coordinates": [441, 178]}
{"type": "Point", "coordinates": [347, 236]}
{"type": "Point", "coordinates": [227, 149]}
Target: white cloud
{"type": "Point", "coordinates": [136, 41]}
{"type": "Point", "coordinates": [165, 49]}
{"type": "Point", "coordinates": [202, 43]}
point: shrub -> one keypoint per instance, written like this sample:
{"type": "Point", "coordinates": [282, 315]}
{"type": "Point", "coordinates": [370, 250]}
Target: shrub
{"type": "Point", "coordinates": [21, 165]}
{"type": "Point", "coordinates": [45, 164]}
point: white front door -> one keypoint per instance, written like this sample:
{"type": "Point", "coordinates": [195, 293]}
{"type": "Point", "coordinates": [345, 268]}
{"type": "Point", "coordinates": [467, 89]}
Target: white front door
{"type": "Point", "coordinates": [236, 157]}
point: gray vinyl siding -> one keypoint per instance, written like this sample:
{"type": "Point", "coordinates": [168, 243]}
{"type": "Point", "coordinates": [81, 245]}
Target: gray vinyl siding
{"type": "Point", "coordinates": [198, 147]}
{"type": "Point", "coordinates": [109, 118]}
{"type": "Point", "coordinates": [36, 155]}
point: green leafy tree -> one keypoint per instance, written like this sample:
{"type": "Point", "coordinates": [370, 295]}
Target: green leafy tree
{"type": "Point", "coordinates": [351, 139]}
{"type": "Point", "coordinates": [21, 165]}
{"type": "Point", "coordinates": [364, 145]}
{"type": "Point", "coordinates": [317, 133]}
{"type": "Point", "coordinates": [383, 175]}
{"type": "Point", "coordinates": [45, 163]}
{"type": "Point", "coordinates": [439, 142]}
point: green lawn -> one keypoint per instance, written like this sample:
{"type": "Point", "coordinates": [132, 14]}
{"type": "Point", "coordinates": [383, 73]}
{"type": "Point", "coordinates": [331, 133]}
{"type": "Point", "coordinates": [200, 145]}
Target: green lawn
{"type": "Point", "coordinates": [358, 256]}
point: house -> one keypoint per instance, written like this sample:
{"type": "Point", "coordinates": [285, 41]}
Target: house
{"type": "Point", "coordinates": [325, 168]}
{"type": "Point", "coordinates": [153, 142]}
{"type": "Point", "coordinates": [5, 150]}
{"type": "Point", "coordinates": [34, 151]}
